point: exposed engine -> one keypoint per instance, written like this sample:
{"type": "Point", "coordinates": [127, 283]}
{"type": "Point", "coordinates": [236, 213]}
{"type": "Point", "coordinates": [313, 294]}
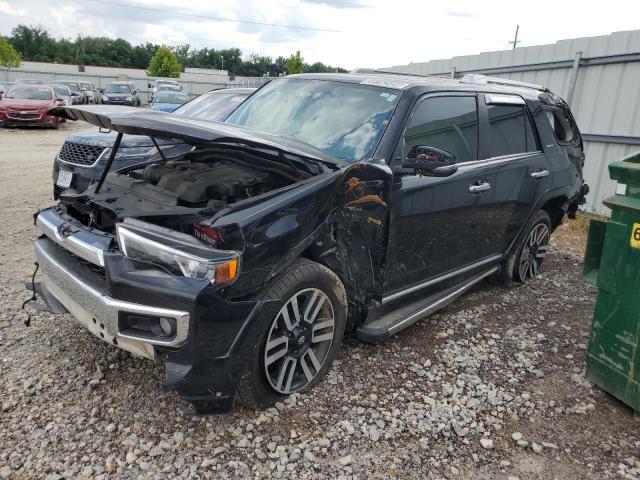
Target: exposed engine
{"type": "Point", "coordinates": [210, 184]}
{"type": "Point", "coordinates": [180, 191]}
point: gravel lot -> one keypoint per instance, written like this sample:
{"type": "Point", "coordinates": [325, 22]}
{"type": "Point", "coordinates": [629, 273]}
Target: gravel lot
{"type": "Point", "coordinates": [491, 387]}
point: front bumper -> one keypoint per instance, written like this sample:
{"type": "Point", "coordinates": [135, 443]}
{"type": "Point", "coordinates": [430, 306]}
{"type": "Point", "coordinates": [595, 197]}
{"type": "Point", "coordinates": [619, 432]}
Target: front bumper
{"type": "Point", "coordinates": [16, 119]}
{"type": "Point", "coordinates": [129, 103]}
{"type": "Point", "coordinates": [99, 313]}
{"type": "Point", "coordinates": [98, 286]}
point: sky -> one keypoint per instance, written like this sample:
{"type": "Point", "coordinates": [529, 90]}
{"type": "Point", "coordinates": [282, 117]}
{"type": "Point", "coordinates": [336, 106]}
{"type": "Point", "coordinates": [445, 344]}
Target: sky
{"type": "Point", "coordinates": [345, 33]}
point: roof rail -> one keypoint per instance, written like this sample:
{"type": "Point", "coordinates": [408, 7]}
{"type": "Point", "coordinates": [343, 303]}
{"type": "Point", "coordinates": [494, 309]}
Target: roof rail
{"type": "Point", "coordinates": [486, 80]}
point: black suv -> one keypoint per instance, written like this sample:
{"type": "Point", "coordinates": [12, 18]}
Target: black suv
{"type": "Point", "coordinates": [121, 93]}
{"type": "Point", "coordinates": [325, 204]}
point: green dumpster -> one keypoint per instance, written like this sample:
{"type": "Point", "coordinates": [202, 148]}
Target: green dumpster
{"type": "Point", "coordinates": [612, 262]}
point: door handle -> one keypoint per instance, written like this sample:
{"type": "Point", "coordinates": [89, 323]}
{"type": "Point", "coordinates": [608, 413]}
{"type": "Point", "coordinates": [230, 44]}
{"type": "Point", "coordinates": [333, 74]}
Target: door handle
{"type": "Point", "coordinates": [482, 187]}
{"type": "Point", "coordinates": [540, 174]}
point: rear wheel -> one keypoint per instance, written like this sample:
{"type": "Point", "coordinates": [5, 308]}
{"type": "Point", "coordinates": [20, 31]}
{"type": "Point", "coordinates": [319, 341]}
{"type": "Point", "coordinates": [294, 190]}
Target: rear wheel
{"type": "Point", "coordinates": [534, 249]}
{"type": "Point", "coordinates": [298, 343]}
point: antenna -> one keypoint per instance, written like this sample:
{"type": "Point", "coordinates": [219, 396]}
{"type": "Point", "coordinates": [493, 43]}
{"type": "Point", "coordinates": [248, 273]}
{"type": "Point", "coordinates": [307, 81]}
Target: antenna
{"type": "Point", "coordinates": [515, 40]}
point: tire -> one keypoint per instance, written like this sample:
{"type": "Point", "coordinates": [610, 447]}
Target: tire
{"type": "Point", "coordinates": [533, 249]}
{"type": "Point", "coordinates": [510, 274]}
{"type": "Point", "coordinates": [279, 363]}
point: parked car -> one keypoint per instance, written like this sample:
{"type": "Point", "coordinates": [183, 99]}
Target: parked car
{"type": "Point", "coordinates": [63, 93]}
{"type": "Point", "coordinates": [168, 101]}
{"type": "Point", "coordinates": [121, 93]}
{"type": "Point", "coordinates": [27, 81]}
{"type": "Point", "coordinates": [76, 92]}
{"type": "Point", "coordinates": [324, 204]}
{"type": "Point", "coordinates": [158, 83]}
{"type": "Point", "coordinates": [84, 154]}
{"type": "Point", "coordinates": [4, 86]}
{"type": "Point", "coordinates": [27, 104]}
{"type": "Point", "coordinates": [90, 92]}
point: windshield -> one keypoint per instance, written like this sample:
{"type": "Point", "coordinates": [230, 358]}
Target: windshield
{"type": "Point", "coordinates": [170, 97]}
{"type": "Point", "coordinates": [212, 106]}
{"type": "Point", "coordinates": [5, 86]}
{"type": "Point", "coordinates": [61, 91]}
{"type": "Point", "coordinates": [30, 93]}
{"type": "Point", "coordinates": [73, 86]}
{"type": "Point", "coordinates": [115, 88]}
{"type": "Point", "coordinates": [344, 120]}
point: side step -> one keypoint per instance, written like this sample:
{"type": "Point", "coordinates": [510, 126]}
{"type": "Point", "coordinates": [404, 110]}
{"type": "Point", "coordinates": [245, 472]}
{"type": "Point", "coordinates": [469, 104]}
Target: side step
{"type": "Point", "coordinates": [392, 322]}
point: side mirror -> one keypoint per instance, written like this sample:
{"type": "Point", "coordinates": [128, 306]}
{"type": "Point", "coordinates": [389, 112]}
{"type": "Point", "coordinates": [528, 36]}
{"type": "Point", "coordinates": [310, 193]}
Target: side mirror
{"type": "Point", "coordinates": [59, 99]}
{"type": "Point", "coordinates": [75, 94]}
{"type": "Point", "coordinates": [149, 85]}
{"type": "Point", "coordinates": [430, 161]}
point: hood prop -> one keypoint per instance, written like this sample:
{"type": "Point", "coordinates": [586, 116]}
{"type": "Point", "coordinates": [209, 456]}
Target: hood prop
{"type": "Point", "coordinates": [107, 167]}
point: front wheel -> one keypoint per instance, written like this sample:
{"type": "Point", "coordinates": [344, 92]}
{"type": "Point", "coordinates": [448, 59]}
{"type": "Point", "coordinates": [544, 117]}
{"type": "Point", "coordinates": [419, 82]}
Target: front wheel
{"type": "Point", "coordinates": [534, 249]}
{"type": "Point", "coordinates": [300, 341]}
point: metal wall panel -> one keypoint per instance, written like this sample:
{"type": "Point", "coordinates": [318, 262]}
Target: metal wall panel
{"type": "Point", "coordinates": [606, 99]}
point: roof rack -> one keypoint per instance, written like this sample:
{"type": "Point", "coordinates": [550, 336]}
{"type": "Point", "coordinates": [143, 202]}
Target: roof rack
{"type": "Point", "coordinates": [486, 80]}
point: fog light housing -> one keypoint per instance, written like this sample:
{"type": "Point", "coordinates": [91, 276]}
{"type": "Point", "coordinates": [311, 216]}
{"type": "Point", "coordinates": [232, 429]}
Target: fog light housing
{"type": "Point", "coordinates": [146, 326]}
{"type": "Point", "coordinates": [168, 326]}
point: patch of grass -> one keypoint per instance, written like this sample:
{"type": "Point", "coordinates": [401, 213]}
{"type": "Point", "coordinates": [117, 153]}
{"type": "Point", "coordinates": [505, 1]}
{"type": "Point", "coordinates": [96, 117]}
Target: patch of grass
{"type": "Point", "coordinates": [580, 226]}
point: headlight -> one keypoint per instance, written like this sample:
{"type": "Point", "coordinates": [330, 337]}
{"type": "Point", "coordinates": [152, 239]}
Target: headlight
{"type": "Point", "coordinates": [105, 98]}
{"type": "Point", "coordinates": [129, 99]}
{"type": "Point", "coordinates": [149, 153]}
{"type": "Point", "coordinates": [178, 252]}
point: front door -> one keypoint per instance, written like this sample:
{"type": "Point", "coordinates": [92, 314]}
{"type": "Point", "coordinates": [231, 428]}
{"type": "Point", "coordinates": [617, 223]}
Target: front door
{"type": "Point", "coordinates": [433, 220]}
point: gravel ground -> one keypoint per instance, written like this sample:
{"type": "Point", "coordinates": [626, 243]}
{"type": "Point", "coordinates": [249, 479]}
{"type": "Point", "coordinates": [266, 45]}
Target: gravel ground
{"type": "Point", "coordinates": [492, 387]}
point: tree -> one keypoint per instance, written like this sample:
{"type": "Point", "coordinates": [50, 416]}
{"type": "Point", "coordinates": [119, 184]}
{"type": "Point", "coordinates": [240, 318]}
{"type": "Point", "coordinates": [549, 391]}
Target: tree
{"type": "Point", "coordinates": [164, 64]}
{"type": "Point", "coordinates": [8, 56]}
{"type": "Point", "coordinates": [35, 44]}
{"type": "Point", "coordinates": [295, 63]}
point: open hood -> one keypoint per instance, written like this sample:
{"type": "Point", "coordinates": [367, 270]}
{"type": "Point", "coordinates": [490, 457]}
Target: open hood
{"type": "Point", "coordinates": [137, 121]}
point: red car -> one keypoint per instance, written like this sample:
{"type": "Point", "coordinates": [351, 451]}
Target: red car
{"type": "Point", "coordinates": [28, 105]}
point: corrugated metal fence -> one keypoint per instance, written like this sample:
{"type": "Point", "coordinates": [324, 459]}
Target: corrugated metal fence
{"type": "Point", "coordinates": [599, 78]}
{"type": "Point", "coordinates": [191, 87]}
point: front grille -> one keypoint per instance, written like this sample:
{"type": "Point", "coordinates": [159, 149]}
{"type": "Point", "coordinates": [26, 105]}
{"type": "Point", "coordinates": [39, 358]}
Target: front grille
{"type": "Point", "coordinates": [23, 116]}
{"type": "Point", "coordinates": [79, 153]}
{"type": "Point", "coordinates": [90, 267]}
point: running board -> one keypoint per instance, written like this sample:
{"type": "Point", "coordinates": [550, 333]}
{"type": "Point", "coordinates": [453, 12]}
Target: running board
{"type": "Point", "coordinates": [394, 321]}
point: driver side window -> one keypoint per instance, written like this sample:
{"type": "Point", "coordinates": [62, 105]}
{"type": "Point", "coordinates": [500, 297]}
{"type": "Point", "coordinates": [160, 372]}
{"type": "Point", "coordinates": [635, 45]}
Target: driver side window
{"type": "Point", "coordinates": [449, 123]}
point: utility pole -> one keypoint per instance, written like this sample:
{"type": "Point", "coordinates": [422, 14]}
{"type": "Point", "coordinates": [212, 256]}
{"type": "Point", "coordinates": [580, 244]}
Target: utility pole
{"type": "Point", "coordinates": [515, 40]}
{"type": "Point", "coordinates": [222, 61]}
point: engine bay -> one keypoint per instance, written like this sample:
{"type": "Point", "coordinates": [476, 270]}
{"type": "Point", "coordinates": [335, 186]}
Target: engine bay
{"type": "Point", "coordinates": [214, 185]}
{"type": "Point", "coordinates": [181, 190]}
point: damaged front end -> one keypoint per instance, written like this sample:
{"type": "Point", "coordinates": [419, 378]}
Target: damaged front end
{"type": "Point", "coordinates": [167, 260]}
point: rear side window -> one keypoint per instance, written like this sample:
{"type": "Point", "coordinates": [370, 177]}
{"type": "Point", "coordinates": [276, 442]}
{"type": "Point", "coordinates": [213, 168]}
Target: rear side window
{"type": "Point", "coordinates": [561, 125]}
{"type": "Point", "coordinates": [510, 130]}
{"type": "Point", "coordinates": [450, 123]}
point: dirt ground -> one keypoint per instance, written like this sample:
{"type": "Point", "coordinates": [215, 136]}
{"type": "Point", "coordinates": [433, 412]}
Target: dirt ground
{"type": "Point", "coordinates": [74, 407]}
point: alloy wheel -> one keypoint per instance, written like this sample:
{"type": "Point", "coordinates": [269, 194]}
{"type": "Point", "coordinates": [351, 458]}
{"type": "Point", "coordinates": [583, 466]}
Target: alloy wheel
{"type": "Point", "coordinates": [533, 252]}
{"type": "Point", "coordinates": [299, 341]}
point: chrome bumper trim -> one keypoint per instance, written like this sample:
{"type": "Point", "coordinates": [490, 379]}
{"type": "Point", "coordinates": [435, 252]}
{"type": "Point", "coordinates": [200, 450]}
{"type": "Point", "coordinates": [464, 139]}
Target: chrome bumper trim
{"type": "Point", "coordinates": [86, 245]}
{"type": "Point", "coordinates": [83, 298]}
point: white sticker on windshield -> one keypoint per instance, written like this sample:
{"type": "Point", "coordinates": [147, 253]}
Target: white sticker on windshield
{"type": "Point", "coordinates": [380, 82]}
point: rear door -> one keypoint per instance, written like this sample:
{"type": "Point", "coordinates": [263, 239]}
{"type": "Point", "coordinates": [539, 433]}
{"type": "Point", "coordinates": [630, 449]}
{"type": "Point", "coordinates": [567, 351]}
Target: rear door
{"type": "Point", "coordinates": [516, 167]}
